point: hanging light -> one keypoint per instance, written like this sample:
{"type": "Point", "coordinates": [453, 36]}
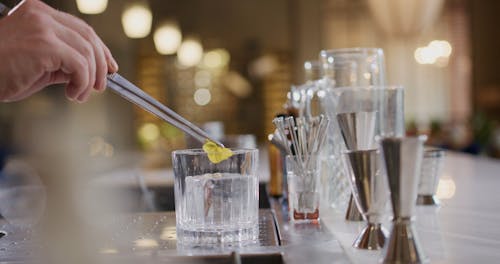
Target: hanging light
{"type": "Point", "coordinates": [405, 18]}
{"type": "Point", "coordinates": [190, 52]}
{"type": "Point", "coordinates": [91, 7]}
{"type": "Point", "coordinates": [136, 20]}
{"type": "Point", "coordinates": [167, 38]}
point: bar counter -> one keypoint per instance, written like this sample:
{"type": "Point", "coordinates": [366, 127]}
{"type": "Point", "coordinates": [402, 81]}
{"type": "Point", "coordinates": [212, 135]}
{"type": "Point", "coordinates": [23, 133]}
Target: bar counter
{"type": "Point", "coordinates": [464, 228]}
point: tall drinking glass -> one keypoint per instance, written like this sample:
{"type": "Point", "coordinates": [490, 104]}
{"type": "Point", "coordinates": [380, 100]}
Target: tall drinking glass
{"type": "Point", "coordinates": [347, 68]}
{"type": "Point", "coordinates": [354, 66]}
{"type": "Point", "coordinates": [216, 203]}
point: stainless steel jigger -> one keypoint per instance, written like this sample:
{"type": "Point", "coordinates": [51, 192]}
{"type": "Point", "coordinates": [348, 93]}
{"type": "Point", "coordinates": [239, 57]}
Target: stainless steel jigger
{"type": "Point", "coordinates": [352, 213]}
{"type": "Point", "coordinates": [358, 132]}
{"type": "Point", "coordinates": [402, 158]}
{"type": "Point", "coordinates": [370, 193]}
{"type": "Point", "coordinates": [358, 129]}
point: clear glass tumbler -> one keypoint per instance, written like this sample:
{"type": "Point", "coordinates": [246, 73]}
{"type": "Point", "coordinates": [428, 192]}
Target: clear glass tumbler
{"type": "Point", "coordinates": [432, 164]}
{"type": "Point", "coordinates": [216, 203]}
{"type": "Point", "coordinates": [303, 188]}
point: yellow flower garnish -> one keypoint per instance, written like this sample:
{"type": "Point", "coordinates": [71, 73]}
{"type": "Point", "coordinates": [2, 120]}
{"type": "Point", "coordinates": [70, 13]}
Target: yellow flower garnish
{"type": "Point", "coordinates": [216, 153]}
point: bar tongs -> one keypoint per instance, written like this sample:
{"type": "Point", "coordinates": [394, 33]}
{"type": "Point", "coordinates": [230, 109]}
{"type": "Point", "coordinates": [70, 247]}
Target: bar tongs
{"type": "Point", "coordinates": [135, 95]}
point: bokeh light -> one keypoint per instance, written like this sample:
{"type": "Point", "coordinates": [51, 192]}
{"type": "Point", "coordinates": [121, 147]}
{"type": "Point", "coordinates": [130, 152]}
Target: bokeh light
{"type": "Point", "coordinates": [136, 20]}
{"type": "Point", "coordinates": [202, 96]}
{"type": "Point", "coordinates": [167, 38]}
{"type": "Point", "coordinates": [190, 52]}
{"type": "Point", "coordinates": [216, 58]}
{"type": "Point", "coordinates": [307, 65]}
{"type": "Point", "coordinates": [446, 188]}
{"type": "Point", "coordinates": [436, 52]}
{"type": "Point", "coordinates": [148, 132]}
{"type": "Point", "coordinates": [91, 7]}
{"type": "Point", "coordinates": [442, 47]}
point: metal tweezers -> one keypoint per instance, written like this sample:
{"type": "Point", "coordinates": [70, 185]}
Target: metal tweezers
{"type": "Point", "coordinates": [137, 96]}
{"type": "Point", "coordinates": [134, 94]}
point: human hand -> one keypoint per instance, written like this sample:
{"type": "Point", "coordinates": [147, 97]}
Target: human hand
{"type": "Point", "coordinates": [40, 46]}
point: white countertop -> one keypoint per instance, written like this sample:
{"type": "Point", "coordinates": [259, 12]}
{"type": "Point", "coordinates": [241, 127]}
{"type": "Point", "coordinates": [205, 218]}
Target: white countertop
{"type": "Point", "coordinates": [465, 228]}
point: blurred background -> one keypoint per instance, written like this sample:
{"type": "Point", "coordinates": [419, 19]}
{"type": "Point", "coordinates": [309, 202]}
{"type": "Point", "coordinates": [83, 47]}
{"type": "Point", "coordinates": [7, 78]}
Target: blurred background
{"type": "Point", "coordinates": [228, 65]}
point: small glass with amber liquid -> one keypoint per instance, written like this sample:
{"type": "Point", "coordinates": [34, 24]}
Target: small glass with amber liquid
{"type": "Point", "coordinates": [303, 188]}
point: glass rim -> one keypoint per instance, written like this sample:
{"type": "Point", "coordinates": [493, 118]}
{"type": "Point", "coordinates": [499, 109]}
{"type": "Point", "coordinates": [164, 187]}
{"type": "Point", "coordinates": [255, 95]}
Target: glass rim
{"type": "Point", "coordinates": [433, 152]}
{"type": "Point", "coordinates": [369, 87]}
{"type": "Point", "coordinates": [198, 151]}
{"type": "Point", "coordinates": [351, 50]}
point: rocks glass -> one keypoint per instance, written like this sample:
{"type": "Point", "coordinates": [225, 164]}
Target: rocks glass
{"type": "Point", "coordinates": [216, 203]}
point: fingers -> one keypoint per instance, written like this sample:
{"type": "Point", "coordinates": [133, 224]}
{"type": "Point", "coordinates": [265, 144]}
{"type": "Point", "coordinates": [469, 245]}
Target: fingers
{"type": "Point", "coordinates": [84, 96]}
{"type": "Point", "coordinates": [72, 48]}
{"type": "Point", "coordinates": [95, 59]}
{"type": "Point", "coordinates": [56, 77]}
{"type": "Point", "coordinates": [76, 66]}
{"type": "Point", "coordinates": [104, 61]}
{"type": "Point", "coordinates": [109, 59]}
{"type": "Point", "coordinates": [88, 33]}
{"type": "Point", "coordinates": [101, 70]}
